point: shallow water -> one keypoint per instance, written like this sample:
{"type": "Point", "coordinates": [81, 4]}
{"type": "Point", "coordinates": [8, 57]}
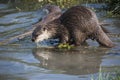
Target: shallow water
{"type": "Point", "coordinates": [21, 60]}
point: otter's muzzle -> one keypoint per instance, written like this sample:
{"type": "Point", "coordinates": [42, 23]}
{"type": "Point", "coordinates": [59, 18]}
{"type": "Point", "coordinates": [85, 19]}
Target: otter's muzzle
{"type": "Point", "coordinates": [33, 39]}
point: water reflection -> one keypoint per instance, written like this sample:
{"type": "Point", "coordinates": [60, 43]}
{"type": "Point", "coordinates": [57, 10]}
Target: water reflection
{"type": "Point", "coordinates": [83, 61]}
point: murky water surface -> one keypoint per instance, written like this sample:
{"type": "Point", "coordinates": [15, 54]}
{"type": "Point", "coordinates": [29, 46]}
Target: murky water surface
{"type": "Point", "coordinates": [21, 60]}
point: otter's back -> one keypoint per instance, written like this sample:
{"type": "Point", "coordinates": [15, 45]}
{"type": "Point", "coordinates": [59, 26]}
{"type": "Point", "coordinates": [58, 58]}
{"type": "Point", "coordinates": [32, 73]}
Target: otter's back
{"type": "Point", "coordinates": [81, 18]}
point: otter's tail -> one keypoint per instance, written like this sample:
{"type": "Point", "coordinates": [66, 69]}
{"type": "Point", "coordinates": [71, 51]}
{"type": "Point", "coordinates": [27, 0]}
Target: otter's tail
{"type": "Point", "coordinates": [103, 39]}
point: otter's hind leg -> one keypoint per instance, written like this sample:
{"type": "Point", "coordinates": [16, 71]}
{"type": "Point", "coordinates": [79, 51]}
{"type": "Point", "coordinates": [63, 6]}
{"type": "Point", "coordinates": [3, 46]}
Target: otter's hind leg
{"type": "Point", "coordinates": [78, 38]}
{"type": "Point", "coordinates": [103, 39]}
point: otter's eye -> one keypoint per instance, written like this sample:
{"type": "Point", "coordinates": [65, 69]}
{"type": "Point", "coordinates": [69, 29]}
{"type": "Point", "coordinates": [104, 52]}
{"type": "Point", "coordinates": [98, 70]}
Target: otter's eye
{"type": "Point", "coordinates": [44, 29]}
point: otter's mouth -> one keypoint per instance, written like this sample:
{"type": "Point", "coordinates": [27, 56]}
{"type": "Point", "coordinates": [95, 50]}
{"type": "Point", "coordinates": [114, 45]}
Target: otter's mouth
{"type": "Point", "coordinates": [37, 41]}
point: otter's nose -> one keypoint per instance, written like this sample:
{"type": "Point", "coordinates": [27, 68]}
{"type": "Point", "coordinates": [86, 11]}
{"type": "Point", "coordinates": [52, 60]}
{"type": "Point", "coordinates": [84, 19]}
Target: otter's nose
{"type": "Point", "coordinates": [33, 40]}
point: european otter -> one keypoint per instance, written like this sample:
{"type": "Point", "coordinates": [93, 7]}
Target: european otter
{"type": "Point", "coordinates": [53, 12]}
{"type": "Point", "coordinates": [74, 26]}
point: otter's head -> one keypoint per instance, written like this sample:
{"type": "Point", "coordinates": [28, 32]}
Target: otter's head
{"type": "Point", "coordinates": [51, 8]}
{"type": "Point", "coordinates": [41, 33]}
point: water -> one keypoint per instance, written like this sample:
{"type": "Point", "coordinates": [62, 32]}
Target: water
{"type": "Point", "coordinates": [21, 60]}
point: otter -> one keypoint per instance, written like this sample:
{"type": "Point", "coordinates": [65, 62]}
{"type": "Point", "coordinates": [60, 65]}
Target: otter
{"type": "Point", "coordinates": [74, 26]}
{"type": "Point", "coordinates": [53, 12]}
